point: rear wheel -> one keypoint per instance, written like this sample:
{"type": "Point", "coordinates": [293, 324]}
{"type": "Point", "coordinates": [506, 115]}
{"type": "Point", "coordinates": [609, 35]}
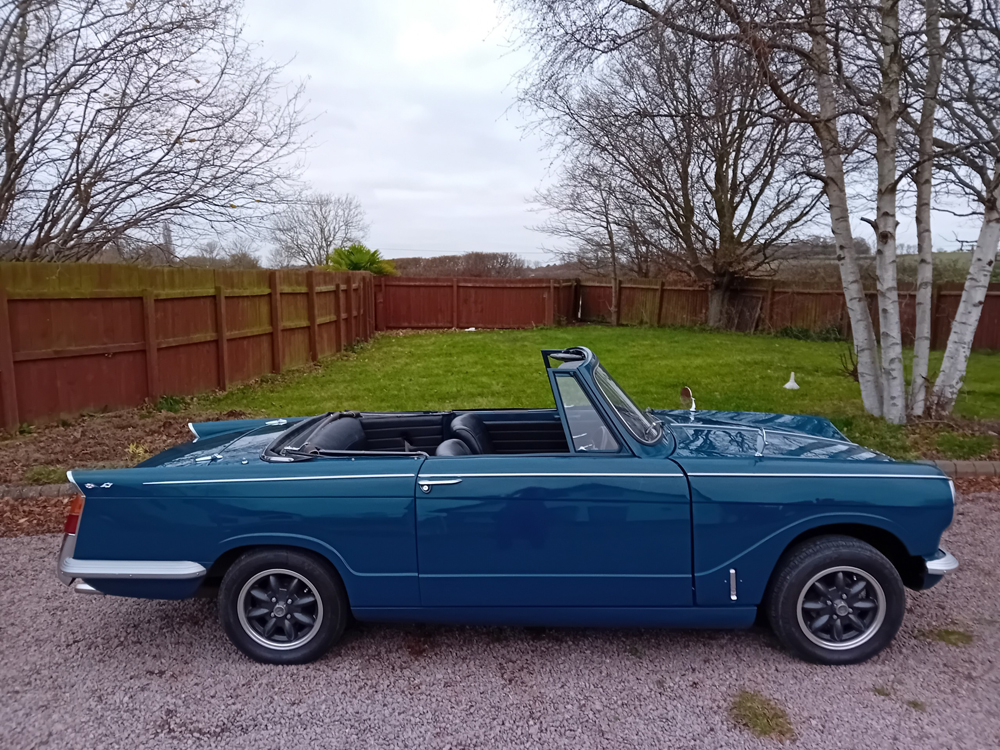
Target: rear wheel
{"type": "Point", "coordinates": [282, 606]}
{"type": "Point", "coordinates": [836, 600]}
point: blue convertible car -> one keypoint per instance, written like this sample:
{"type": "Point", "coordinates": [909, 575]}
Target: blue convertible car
{"type": "Point", "coordinates": [592, 513]}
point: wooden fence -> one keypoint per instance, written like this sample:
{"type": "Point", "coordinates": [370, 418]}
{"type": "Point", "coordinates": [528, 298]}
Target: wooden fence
{"type": "Point", "coordinates": [773, 306]}
{"type": "Point", "coordinates": [419, 302]}
{"type": "Point", "coordinates": [79, 337]}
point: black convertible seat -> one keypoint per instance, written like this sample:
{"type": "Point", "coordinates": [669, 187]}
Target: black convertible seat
{"type": "Point", "coordinates": [344, 434]}
{"type": "Point", "coordinates": [453, 447]}
{"type": "Point", "coordinates": [470, 428]}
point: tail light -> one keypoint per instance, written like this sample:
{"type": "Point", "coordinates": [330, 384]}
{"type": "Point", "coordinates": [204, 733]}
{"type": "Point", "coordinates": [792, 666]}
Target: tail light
{"type": "Point", "coordinates": [73, 519]}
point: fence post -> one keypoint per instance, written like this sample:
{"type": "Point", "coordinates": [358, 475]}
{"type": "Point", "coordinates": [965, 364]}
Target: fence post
{"type": "Point", "coordinates": [616, 300]}
{"type": "Point", "coordinates": [659, 303]}
{"type": "Point", "coordinates": [935, 297]}
{"type": "Point", "coordinates": [768, 305]}
{"type": "Point", "coordinates": [223, 346]}
{"type": "Point", "coordinates": [152, 354]}
{"type": "Point", "coordinates": [313, 320]}
{"type": "Point", "coordinates": [341, 324]}
{"type": "Point", "coordinates": [352, 332]}
{"type": "Point", "coordinates": [454, 302]}
{"type": "Point", "coordinates": [380, 305]}
{"type": "Point", "coordinates": [550, 312]}
{"type": "Point", "coordinates": [8, 385]}
{"type": "Point", "coordinates": [370, 307]}
{"type": "Point", "coordinates": [276, 335]}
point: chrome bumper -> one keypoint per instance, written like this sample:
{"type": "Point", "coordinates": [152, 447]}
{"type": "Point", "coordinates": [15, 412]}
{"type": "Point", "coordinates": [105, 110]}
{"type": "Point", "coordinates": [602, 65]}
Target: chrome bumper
{"type": "Point", "coordinates": [66, 553]}
{"type": "Point", "coordinates": [944, 562]}
{"type": "Point", "coordinates": [69, 568]}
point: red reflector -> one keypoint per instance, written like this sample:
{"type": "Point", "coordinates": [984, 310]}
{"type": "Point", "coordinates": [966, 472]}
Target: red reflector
{"type": "Point", "coordinates": [73, 519]}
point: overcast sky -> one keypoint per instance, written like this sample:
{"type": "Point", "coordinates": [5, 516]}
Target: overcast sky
{"type": "Point", "coordinates": [413, 112]}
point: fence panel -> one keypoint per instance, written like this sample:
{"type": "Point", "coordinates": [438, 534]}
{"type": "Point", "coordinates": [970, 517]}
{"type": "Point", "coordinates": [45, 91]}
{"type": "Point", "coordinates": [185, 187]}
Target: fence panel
{"type": "Point", "coordinates": [419, 302]}
{"type": "Point", "coordinates": [83, 337]}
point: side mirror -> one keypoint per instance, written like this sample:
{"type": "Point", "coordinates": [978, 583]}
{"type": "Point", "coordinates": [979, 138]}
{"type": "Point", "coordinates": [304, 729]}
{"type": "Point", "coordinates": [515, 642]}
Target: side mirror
{"type": "Point", "coordinates": [687, 396]}
{"type": "Point", "coordinates": [761, 442]}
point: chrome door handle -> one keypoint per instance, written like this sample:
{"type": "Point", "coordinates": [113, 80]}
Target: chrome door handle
{"type": "Point", "coordinates": [426, 484]}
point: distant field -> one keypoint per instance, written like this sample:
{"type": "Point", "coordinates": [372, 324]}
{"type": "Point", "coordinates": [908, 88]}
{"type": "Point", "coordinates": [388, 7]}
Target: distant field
{"type": "Point", "coordinates": [948, 267]}
{"type": "Point", "coordinates": [446, 370]}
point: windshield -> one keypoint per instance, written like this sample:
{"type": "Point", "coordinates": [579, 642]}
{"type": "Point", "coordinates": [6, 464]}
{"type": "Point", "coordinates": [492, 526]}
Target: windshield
{"type": "Point", "coordinates": [643, 427]}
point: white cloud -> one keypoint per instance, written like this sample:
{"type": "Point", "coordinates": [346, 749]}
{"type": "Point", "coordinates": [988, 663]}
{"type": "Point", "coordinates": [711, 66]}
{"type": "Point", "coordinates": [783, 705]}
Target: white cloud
{"type": "Point", "coordinates": [413, 114]}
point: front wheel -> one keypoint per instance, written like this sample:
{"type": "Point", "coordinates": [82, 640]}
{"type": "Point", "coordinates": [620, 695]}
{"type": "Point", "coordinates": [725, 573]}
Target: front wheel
{"type": "Point", "coordinates": [836, 600]}
{"type": "Point", "coordinates": [282, 606]}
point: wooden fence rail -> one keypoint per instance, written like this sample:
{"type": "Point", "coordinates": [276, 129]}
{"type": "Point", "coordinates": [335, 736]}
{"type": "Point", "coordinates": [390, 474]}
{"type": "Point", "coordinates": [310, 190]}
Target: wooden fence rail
{"type": "Point", "coordinates": [79, 337]}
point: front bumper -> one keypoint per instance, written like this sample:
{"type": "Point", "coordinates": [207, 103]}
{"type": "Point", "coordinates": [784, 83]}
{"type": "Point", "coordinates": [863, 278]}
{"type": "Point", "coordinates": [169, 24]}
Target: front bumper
{"type": "Point", "coordinates": [940, 563]}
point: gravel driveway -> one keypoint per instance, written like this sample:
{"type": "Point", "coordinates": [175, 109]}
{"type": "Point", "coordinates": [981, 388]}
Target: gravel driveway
{"type": "Point", "coordinates": [87, 672]}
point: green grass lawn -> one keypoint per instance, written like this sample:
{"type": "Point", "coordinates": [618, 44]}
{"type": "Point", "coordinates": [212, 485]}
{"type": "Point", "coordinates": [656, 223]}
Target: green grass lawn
{"type": "Point", "coordinates": [445, 370]}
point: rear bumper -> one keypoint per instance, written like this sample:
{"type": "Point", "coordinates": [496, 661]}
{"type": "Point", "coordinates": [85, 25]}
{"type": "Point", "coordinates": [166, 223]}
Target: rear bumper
{"type": "Point", "coordinates": [169, 579]}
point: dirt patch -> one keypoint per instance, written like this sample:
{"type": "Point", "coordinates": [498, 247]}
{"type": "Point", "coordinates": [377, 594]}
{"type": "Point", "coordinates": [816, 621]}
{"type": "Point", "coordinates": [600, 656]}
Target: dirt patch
{"type": "Point", "coordinates": [955, 438]}
{"type": "Point", "coordinates": [975, 485]}
{"type": "Point", "coordinates": [114, 440]}
{"type": "Point", "coordinates": [29, 517]}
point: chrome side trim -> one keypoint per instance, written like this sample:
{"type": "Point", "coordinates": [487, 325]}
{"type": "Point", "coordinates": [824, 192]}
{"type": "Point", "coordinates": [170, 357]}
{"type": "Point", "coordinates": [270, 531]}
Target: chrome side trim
{"type": "Point", "coordinates": [281, 479]}
{"type": "Point", "coordinates": [132, 569]}
{"type": "Point", "coordinates": [824, 476]}
{"type": "Point", "coordinates": [942, 565]}
{"type": "Point", "coordinates": [84, 588]}
{"type": "Point", "coordinates": [555, 474]}
{"type": "Point", "coordinates": [66, 550]}
{"type": "Point", "coordinates": [732, 584]}
{"type": "Point", "coordinates": [193, 432]}
{"type": "Point", "coordinates": [69, 478]}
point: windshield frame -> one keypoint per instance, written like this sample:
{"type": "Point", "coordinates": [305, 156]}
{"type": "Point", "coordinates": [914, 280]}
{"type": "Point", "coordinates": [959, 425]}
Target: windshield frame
{"type": "Point", "coordinates": [654, 427]}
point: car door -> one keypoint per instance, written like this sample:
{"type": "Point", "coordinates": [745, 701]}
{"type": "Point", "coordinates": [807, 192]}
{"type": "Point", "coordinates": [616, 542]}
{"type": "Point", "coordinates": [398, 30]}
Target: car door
{"type": "Point", "coordinates": [593, 528]}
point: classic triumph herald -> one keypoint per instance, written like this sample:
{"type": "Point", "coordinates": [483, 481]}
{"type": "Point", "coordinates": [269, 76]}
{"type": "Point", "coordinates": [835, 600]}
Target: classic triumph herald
{"type": "Point", "coordinates": [594, 513]}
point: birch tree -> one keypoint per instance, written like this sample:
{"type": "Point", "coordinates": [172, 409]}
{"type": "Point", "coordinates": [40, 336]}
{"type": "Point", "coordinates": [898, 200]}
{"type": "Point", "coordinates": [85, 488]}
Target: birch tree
{"type": "Point", "coordinates": [929, 84]}
{"type": "Point", "coordinates": [969, 144]}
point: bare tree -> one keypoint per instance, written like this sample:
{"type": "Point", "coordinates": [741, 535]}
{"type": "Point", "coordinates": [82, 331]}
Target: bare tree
{"type": "Point", "coordinates": [585, 206]}
{"type": "Point", "coordinates": [708, 177]}
{"type": "Point", "coordinates": [315, 224]}
{"type": "Point", "coordinates": [969, 144]}
{"type": "Point", "coordinates": [117, 116]}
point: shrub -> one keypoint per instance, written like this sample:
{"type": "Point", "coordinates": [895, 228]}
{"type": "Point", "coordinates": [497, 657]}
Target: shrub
{"type": "Point", "coordinates": [43, 474]}
{"type": "Point", "coordinates": [358, 257]}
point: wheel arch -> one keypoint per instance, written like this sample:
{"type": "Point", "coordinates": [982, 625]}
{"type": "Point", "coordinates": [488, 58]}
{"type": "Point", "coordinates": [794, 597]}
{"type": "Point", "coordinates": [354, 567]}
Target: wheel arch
{"type": "Point", "coordinates": [909, 566]}
{"type": "Point", "coordinates": [225, 560]}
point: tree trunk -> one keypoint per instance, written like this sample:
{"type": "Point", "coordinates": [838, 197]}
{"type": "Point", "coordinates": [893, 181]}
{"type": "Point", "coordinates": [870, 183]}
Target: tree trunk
{"type": "Point", "coordinates": [886, 126]}
{"type": "Point", "coordinates": [924, 182]}
{"type": "Point", "coordinates": [963, 328]}
{"type": "Point", "coordinates": [718, 295]}
{"type": "Point", "coordinates": [835, 187]}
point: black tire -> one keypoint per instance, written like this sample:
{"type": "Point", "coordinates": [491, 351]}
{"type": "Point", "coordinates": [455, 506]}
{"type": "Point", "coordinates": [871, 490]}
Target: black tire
{"type": "Point", "coordinates": [291, 587]}
{"type": "Point", "coordinates": [858, 625]}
